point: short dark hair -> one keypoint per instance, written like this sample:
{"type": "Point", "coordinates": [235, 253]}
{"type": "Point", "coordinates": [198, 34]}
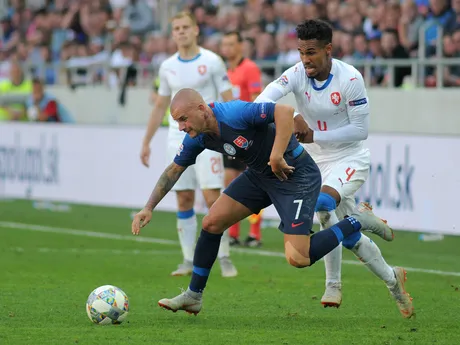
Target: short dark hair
{"type": "Point", "coordinates": [314, 29]}
{"type": "Point", "coordinates": [239, 38]}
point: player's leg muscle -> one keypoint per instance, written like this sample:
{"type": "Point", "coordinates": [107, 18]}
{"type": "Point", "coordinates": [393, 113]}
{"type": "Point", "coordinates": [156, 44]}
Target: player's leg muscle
{"type": "Point", "coordinates": [185, 199]}
{"type": "Point", "coordinates": [223, 213]}
{"type": "Point", "coordinates": [210, 196]}
{"type": "Point", "coordinates": [296, 249]}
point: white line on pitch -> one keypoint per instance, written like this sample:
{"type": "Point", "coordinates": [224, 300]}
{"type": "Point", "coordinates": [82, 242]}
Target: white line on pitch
{"type": "Point", "coordinates": [85, 233]}
{"type": "Point", "coordinates": [98, 251]}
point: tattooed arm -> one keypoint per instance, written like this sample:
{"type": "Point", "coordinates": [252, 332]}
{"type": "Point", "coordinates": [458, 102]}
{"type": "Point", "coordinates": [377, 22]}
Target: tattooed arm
{"type": "Point", "coordinates": [166, 181]}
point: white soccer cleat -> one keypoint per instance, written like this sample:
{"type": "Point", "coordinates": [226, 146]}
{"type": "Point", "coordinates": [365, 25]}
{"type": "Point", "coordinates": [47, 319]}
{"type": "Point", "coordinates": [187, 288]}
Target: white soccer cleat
{"type": "Point", "coordinates": [370, 222]}
{"type": "Point", "coordinates": [183, 269]}
{"type": "Point", "coordinates": [183, 302]}
{"type": "Point", "coordinates": [227, 268]}
{"type": "Point", "coordinates": [403, 299]}
{"type": "Point", "coordinates": [332, 296]}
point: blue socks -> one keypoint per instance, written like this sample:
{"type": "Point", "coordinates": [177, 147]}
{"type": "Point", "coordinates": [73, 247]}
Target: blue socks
{"type": "Point", "coordinates": [326, 240]}
{"type": "Point", "coordinates": [206, 251]}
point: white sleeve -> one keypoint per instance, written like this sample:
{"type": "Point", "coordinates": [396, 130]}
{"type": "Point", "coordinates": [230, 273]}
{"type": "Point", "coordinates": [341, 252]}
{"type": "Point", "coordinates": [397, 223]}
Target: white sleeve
{"type": "Point", "coordinates": [286, 83]}
{"type": "Point", "coordinates": [163, 87]}
{"type": "Point", "coordinates": [357, 103]}
{"type": "Point", "coordinates": [269, 94]}
{"type": "Point", "coordinates": [219, 76]}
{"type": "Point", "coordinates": [279, 88]}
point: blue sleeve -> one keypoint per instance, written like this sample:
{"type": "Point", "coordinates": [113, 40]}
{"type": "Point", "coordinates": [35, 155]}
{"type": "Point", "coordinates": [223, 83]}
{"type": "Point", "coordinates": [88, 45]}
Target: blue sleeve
{"type": "Point", "coordinates": [244, 115]}
{"type": "Point", "coordinates": [258, 114]}
{"type": "Point", "coordinates": [188, 151]}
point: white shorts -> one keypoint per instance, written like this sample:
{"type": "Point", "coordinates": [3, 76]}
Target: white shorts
{"type": "Point", "coordinates": [346, 176]}
{"type": "Point", "coordinates": [206, 173]}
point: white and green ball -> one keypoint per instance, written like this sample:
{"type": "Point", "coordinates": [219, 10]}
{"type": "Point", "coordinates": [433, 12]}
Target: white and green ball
{"type": "Point", "coordinates": [107, 305]}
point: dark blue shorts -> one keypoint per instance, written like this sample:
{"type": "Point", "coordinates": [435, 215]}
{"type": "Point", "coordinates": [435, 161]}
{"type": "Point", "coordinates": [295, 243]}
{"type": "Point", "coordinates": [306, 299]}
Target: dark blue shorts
{"type": "Point", "coordinates": [294, 199]}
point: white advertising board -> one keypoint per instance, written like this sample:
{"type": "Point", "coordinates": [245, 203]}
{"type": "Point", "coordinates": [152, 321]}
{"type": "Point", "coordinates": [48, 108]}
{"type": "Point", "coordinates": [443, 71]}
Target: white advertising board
{"type": "Point", "coordinates": [413, 183]}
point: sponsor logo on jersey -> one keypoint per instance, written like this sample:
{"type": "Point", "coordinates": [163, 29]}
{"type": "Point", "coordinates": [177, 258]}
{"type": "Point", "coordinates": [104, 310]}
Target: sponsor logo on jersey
{"type": "Point", "coordinates": [229, 149]}
{"type": "Point", "coordinates": [336, 98]}
{"type": "Point", "coordinates": [241, 142]}
{"type": "Point", "coordinates": [202, 69]}
{"type": "Point", "coordinates": [181, 148]}
{"type": "Point", "coordinates": [283, 80]}
{"type": "Point", "coordinates": [357, 102]}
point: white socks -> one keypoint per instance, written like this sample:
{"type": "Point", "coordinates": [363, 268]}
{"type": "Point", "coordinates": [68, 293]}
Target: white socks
{"type": "Point", "coordinates": [224, 248]}
{"type": "Point", "coordinates": [187, 228]}
{"type": "Point", "coordinates": [365, 249]}
{"type": "Point", "coordinates": [368, 252]}
{"type": "Point", "coordinates": [332, 260]}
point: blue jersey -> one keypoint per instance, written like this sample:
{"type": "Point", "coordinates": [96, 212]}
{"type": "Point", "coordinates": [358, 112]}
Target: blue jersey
{"type": "Point", "coordinates": [247, 132]}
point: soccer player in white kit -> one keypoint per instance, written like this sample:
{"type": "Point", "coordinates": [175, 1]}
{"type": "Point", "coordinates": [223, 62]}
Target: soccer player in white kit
{"type": "Point", "coordinates": [198, 68]}
{"type": "Point", "coordinates": [332, 100]}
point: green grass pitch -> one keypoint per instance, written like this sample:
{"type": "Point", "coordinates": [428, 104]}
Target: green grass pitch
{"type": "Point", "coordinates": [47, 272]}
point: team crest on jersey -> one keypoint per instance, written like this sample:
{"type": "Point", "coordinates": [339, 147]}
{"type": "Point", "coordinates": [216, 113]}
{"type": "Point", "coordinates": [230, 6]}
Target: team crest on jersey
{"type": "Point", "coordinates": [229, 149]}
{"type": "Point", "coordinates": [202, 69]}
{"type": "Point", "coordinates": [308, 95]}
{"type": "Point", "coordinates": [336, 98]}
{"type": "Point", "coordinates": [241, 142]}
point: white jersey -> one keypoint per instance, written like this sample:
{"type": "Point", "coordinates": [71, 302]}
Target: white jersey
{"type": "Point", "coordinates": [336, 109]}
{"type": "Point", "coordinates": [205, 73]}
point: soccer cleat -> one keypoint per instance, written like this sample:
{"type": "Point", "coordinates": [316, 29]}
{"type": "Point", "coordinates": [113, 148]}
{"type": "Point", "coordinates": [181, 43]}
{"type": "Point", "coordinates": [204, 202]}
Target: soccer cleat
{"type": "Point", "coordinates": [227, 268]}
{"type": "Point", "coordinates": [183, 269]}
{"type": "Point", "coordinates": [332, 296]}
{"type": "Point", "coordinates": [183, 302]}
{"type": "Point", "coordinates": [234, 241]}
{"type": "Point", "coordinates": [403, 299]}
{"type": "Point", "coordinates": [252, 242]}
{"type": "Point", "coordinates": [370, 222]}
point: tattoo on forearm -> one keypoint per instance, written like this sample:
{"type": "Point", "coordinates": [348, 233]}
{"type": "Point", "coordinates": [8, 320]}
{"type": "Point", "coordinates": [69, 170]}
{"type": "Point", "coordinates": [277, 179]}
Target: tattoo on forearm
{"type": "Point", "coordinates": [166, 181]}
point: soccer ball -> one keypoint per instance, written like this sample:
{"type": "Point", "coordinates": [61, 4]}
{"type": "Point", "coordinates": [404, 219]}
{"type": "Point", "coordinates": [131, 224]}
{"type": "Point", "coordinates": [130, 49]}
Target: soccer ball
{"type": "Point", "coordinates": [107, 305]}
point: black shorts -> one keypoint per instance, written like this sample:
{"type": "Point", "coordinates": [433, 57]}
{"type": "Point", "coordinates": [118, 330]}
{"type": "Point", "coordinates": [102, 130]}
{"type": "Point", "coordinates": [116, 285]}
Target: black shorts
{"type": "Point", "coordinates": [232, 163]}
{"type": "Point", "coordinates": [294, 199]}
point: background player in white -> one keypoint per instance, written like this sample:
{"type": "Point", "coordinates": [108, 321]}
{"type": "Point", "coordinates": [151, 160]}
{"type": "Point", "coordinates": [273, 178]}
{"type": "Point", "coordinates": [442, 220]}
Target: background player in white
{"type": "Point", "coordinates": [198, 68]}
{"type": "Point", "coordinates": [332, 99]}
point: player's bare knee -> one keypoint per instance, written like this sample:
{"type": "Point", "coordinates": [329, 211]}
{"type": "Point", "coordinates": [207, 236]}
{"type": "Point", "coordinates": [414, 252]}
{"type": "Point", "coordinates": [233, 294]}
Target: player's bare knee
{"type": "Point", "coordinates": [324, 205]}
{"type": "Point", "coordinates": [297, 260]}
{"type": "Point", "coordinates": [212, 224]}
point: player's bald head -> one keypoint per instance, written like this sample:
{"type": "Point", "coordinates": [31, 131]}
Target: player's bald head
{"type": "Point", "coordinates": [185, 99]}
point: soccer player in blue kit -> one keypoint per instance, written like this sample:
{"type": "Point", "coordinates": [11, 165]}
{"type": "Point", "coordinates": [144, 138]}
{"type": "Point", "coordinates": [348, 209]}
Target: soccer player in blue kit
{"type": "Point", "coordinates": [280, 172]}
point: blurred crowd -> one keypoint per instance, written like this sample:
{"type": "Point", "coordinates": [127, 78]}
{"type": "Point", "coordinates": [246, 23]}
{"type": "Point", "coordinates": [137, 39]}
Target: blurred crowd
{"type": "Point", "coordinates": [49, 35]}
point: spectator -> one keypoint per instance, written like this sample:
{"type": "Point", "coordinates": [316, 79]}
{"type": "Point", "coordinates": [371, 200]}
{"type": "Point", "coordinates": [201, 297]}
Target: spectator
{"type": "Point", "coordinates": [18, 85]}
{"type": "Point", "coordinates": [43, 107]}
{"type": "Point", "coordinates": [392, 49]}
{"type": "Point", "coordinates": [452, 49]}
{"type": "Point", "coordinates": [269, 22]}
{"type": "Point", "coordinates": [409, 26]}
{"type": "Point", "coordinates": [139, 17]}
{"type": "Point", "coordinates": [440, 14]}
{"type": "Point", "coordinates": [454, 22]}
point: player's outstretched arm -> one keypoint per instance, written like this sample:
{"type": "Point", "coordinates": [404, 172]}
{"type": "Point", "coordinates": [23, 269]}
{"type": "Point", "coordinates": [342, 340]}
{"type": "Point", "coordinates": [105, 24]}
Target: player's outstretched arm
{"type": "Point", "coordinates": [166, 181]}
{"type": "Point", "coordinates": [154, 123]}
{"type": "Point", "coordinates": [284, 123]}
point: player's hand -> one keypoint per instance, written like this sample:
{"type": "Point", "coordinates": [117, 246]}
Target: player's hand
{"type": "Point", "coordinates": [145, 155]}
{"type": "Point", "coordinates": [280, 168]}
{"type": "Point", "coordinates": [301, 129]}
{"type": "Point", "coordinates": [140, 220]}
